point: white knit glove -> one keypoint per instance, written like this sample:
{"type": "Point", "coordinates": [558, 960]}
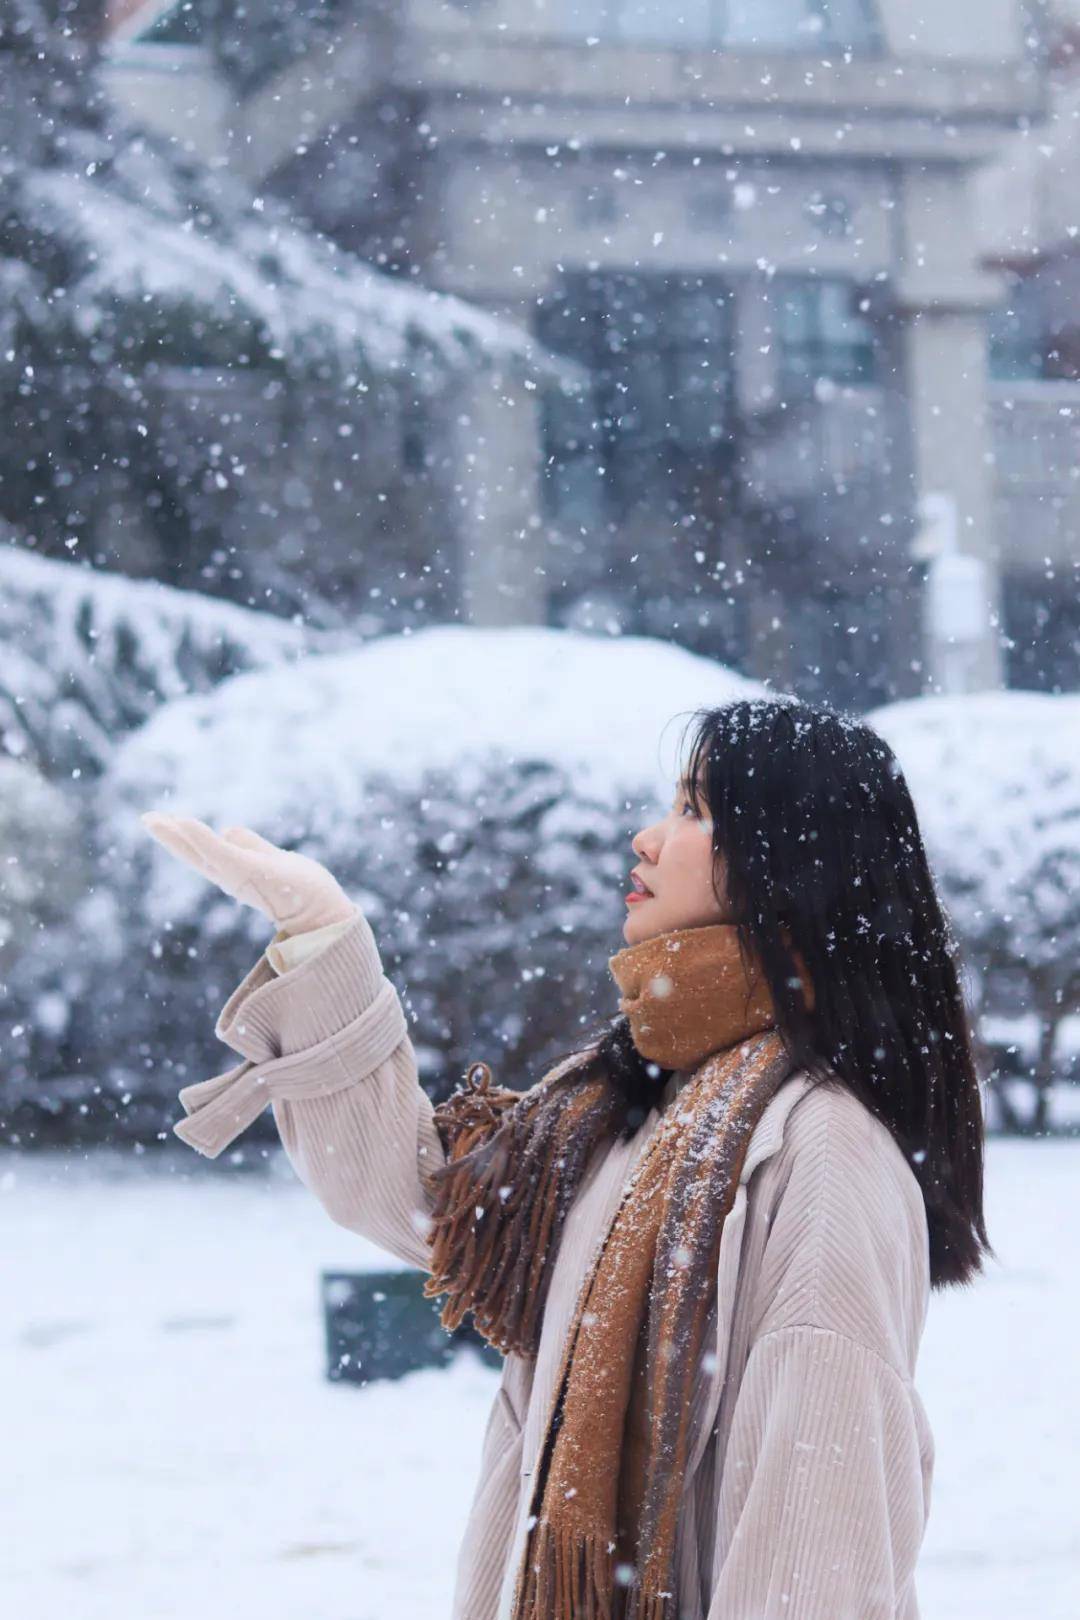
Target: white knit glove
{"type": "Point", "coordinates": [291, 890]}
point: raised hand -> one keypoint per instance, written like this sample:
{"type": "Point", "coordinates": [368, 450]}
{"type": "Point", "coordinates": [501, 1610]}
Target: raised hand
{"type": "Point", "coordinates": [292, 890]}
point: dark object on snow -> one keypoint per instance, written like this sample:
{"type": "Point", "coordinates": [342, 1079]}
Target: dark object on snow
{"type": "Point", "coordinates": [379, 1325]}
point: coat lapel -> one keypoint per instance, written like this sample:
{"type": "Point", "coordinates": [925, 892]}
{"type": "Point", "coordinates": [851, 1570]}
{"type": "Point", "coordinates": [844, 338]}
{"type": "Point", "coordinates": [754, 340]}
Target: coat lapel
{"type": "Point", "coordinates": [766, 1140]}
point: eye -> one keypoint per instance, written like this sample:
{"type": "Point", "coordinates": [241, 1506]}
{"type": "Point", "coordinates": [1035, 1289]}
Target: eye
{"type": "Point", "coordinates": [687, 806]}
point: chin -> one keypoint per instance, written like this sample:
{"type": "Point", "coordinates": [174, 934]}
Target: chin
{"type": "Point", "coordinates": [636, 928]}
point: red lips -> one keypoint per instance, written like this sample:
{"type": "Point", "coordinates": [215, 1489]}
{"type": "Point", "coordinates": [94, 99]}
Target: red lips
{"type": "Point", "coordinates": [642, 893]}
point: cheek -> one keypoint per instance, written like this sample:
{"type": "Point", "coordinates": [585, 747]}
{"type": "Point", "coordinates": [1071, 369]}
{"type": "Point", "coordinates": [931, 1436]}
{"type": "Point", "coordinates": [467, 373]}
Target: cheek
{"type": "Point", "coordinates": [692, 855]}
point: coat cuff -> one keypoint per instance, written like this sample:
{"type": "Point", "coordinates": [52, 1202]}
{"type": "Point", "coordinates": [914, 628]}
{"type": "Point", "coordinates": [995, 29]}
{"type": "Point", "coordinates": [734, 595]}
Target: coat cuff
{"type": "Point", "coordinates": [325, 1024]}
{"type": "Point", "coordinates": [219, 1109]}
{"type": "Point", "coordinates": [270, 1015]}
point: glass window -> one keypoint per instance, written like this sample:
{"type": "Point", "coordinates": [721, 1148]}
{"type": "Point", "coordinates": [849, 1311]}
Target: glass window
{"type": "Point", "coordinates": [660, 350]}
{"type": "Point", "coordinates": [831, 213]}
{"type": "Point", "coordinates": [596, 204]}
{"type": "Point", "coordinates": [684, 22]}
{"type": "Point", "coordinates": [821, 332]}
{"type": "Point", "coordinates": [766, 25]}
{"type": "Point", "coordinates": [1042, 631]}
{"type": "Point", "coordinates": [777, 25]}
{"type": "Point", "coordinates": [584, 17]}
{"type": "Point", "coordinates": [1016, 337]}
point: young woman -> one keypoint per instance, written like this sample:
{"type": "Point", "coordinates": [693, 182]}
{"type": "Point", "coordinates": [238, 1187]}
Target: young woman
{"type": "Point", "coordinates": [705, 1240]}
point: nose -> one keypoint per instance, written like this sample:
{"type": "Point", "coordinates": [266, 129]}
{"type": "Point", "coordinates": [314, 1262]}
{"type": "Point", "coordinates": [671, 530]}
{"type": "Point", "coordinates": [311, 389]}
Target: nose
{"type": "Point", "coordinates": [640, 844]}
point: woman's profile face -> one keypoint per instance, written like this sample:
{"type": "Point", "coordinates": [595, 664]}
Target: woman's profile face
{"type": "Point", "coordinates": [675, 864]}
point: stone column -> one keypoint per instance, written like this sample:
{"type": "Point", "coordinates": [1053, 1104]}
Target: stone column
{"type": "Point", "coordinates": [943, 300]}
{"type": "Point", "coordinates": [495, 432]}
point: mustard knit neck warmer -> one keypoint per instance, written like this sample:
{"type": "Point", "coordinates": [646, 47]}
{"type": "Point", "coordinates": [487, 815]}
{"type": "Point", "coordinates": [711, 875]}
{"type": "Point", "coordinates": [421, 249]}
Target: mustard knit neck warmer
{"type": "Point", "coordinates": [688, 993]}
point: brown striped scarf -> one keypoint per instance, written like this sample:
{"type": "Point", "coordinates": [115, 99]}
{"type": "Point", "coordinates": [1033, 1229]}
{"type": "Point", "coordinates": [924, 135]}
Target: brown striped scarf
{"type": "Point", "coordinates": [607, 1488]}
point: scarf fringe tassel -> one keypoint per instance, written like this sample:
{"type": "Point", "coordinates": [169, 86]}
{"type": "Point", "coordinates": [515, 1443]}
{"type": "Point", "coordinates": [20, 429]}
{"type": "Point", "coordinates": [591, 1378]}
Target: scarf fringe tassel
{"type": "Point", "coordinates": [571, 1575]}
{"type": "Point", "coordinates": [498, 1202]}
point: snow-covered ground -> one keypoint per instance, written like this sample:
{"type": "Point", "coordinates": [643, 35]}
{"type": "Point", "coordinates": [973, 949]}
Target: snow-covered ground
{"type": "Point", "coordinates": [172, 1448]}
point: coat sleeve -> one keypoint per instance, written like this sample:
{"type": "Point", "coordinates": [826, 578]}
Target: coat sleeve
{"type": "Point", "coordinates": [822, 1504]}
{"type": "Point", "coordinates": [824, 1490]}
{"type": "Point", "coordinates": [325, 1044]}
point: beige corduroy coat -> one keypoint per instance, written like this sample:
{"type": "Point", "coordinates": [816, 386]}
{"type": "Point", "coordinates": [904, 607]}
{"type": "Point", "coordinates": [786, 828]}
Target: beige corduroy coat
{"type": "Point", "coordinates": [808, 1483]}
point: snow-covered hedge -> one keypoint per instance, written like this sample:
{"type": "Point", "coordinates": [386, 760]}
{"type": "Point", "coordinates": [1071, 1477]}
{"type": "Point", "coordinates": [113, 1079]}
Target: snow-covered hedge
{"type": "Point", "coordinates": [475, 790]}
{"type": "Point", "coordinates": [89, 656]}
{"type": "Point", "coordinates": [996, 780]}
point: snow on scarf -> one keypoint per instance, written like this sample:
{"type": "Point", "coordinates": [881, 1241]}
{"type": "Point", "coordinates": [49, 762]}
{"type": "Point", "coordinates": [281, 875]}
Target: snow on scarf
{"type": "Point", "coordinates": [603, 1515]}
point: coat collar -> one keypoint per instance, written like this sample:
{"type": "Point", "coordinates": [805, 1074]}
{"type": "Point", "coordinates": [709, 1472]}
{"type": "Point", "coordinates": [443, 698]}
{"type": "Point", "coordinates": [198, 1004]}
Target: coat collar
{"type": "Point", "coordinates": [769, 1131]}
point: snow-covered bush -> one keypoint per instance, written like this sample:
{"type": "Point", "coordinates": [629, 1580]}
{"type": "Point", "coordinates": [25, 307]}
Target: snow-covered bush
{"type": "Point", "coordinates": [474, 790]}
{"type": "Point", "coordinates": [996, 780]}
{"type": "Point", "coordinates": [45, 872]}
{"type": "Point", "coordinates": [89, 655]}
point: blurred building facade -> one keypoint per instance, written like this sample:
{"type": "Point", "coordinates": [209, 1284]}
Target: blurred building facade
{"type": "Point", "coordinates": [1028, 208]}
{"type": "Point", "coordinates": [757, 223]}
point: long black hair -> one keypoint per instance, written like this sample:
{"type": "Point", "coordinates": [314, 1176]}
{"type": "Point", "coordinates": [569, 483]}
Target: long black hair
{"type": "Point", "coordinates": [817, 845]}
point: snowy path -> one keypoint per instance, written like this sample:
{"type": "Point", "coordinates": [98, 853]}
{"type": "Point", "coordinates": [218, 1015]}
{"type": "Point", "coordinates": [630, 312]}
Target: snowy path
{"type": "Point", "coordinates": [175, 1450]}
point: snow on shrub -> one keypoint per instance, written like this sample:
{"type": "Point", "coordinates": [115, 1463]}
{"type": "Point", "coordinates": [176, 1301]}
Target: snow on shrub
{"type": "Point", "coordinates": [45, 872]}
{"type": "Point", "coordinates": [475, 790]}
{"type": "Point", "coordinates": [996, 781]}
{"type": "Point", "coordinates": [89, 655]}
